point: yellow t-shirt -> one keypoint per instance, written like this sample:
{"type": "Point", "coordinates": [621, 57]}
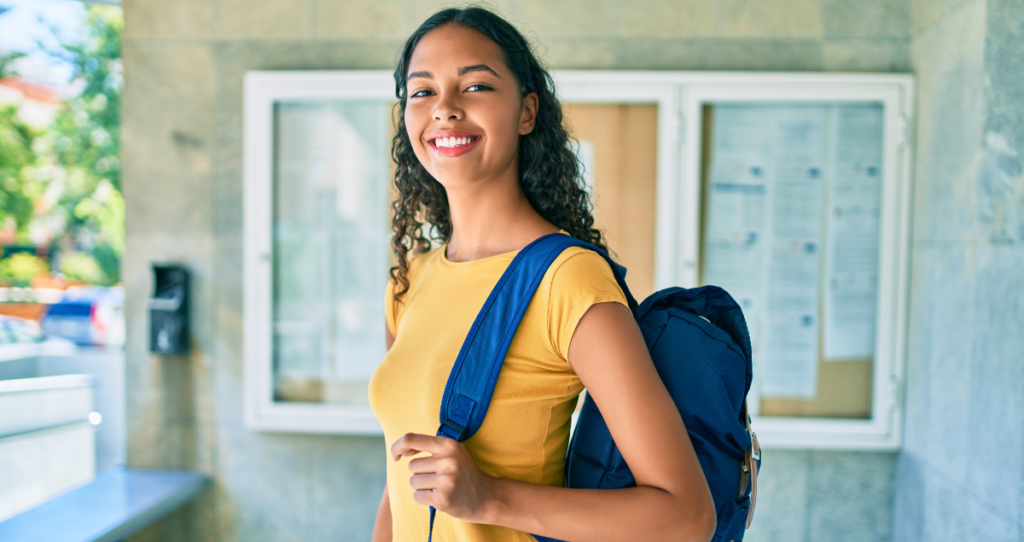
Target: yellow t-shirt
{"type": "Point", "coordinates": [526, 431]}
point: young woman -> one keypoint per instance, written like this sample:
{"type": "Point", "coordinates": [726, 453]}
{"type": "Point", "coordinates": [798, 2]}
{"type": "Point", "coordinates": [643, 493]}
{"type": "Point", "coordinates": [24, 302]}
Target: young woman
{"type": "Point", "coordinates": [482, 155]}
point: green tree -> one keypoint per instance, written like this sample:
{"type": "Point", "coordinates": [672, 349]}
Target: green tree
{"type": "Point", "coordinates": [18, 189]}
{"type": "Point", "coordinates": [86, 141]}
{"type": "Point", "coordinates": [89, 126]}
{"type": "Point", "coordinates": [77, 157]}
{"type": "Point", "coordinates": [17, 198]}
{"type": "Point", "coordinates": [22, 267]}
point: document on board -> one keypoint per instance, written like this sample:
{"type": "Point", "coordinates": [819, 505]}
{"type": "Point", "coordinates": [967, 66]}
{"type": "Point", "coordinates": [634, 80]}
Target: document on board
{"type": "Point", "coordinates": [853, 225]}
{"type": "Point", "coordinates": [790, 356]}
{"type": "Point", "coordinates": [734, 234]}
{"type": "Point", "coordinates": [794, 263]}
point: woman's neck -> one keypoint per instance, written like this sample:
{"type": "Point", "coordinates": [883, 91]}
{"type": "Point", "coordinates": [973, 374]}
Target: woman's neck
{"type": "Point", "coordinates": [492, 218]}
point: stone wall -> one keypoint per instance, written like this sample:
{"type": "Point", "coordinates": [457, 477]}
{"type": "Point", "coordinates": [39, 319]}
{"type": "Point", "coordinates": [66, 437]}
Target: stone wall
{"type": "Point", "coordinates": [961, 473]}
{"type": "Point", "coordinates": [184, 64]}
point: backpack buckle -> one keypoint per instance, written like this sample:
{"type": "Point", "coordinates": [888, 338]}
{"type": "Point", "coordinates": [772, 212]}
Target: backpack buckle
{"type": "Point", "coordinates": [749, 465]}
{"type": "Point", "coordinates": [451, 430]}
{"type": "Point", "coordinates": [755, 449]}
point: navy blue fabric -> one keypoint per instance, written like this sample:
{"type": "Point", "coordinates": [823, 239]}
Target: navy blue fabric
{"type": "Point", "coordinates": [705, 366]}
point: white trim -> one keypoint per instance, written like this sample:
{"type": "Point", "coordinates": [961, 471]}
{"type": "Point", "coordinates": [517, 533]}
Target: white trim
{"type": "Point", "coordinates": [679, 97]}
{"type": "Point", "coordinates": [262, 91]}
{"type": "Point", "coordinates": [19, 385]}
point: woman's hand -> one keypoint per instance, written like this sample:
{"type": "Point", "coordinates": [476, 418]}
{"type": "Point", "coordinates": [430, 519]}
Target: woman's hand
{"type": "Point", "coordinates": [448, 479]}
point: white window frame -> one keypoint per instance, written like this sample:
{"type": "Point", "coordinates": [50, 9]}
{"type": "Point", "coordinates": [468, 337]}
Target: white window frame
{"type": "Point", "coordinates": [680, 97]}
{"type": "Point", "coordinates": [262, 91]}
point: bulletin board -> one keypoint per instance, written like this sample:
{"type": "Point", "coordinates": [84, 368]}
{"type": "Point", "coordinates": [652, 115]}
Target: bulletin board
{"type": "Point", "coordinates": [794, 197]}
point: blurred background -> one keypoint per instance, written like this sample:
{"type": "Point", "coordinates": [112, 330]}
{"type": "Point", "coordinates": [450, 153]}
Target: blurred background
{"type": "Point", "coordinates": [126, 194]}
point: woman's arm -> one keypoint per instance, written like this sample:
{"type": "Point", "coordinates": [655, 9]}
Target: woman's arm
{"type": "Point", "coordinates": [671, 501]}
{"type": "Point", "coordinates": [382, 526]}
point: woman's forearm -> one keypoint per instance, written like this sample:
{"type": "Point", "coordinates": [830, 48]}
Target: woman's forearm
{"type": "Point", "coordinates": [382, 527]}
{"type": "Point", "coordinates": [637, 513]}
{"type": "Point", "coordinates": [680, 510]}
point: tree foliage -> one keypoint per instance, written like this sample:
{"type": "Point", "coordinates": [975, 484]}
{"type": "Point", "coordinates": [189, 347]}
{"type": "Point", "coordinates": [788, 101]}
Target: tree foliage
{"type": "Point", "coordinates": [70, 173]}
{"type": "Point", "coordinates": [18, 191]}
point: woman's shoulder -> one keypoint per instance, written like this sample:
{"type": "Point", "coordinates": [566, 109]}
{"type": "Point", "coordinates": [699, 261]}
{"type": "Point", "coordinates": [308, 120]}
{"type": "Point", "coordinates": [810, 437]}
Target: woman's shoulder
{"type": "Point", "coordinates": [578, 279]}
{"type": "Point", "coordinates": [578, 274]}
{"type": "Point", "coordinates": [578, 265]}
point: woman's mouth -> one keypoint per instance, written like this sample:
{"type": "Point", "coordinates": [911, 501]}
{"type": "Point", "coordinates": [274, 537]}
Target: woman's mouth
{"type": "Point", "coordinates": [453, 145]}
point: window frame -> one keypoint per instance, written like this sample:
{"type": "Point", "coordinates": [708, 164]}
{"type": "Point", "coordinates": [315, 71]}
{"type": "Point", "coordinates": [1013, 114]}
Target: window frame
{"type": "Point", "coordinates": [262, 90]}
{"type": "Point", "coordinates": [883, 431]}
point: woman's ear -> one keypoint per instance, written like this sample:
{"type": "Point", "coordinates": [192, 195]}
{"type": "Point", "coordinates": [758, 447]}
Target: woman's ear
{"type": "Point", "coordinates": [528, 115]}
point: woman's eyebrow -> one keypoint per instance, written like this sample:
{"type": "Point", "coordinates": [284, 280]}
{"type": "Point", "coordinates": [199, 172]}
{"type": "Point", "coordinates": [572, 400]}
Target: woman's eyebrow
{"type": "Point", "coordinates": [477, 68]}
{"type": "Point", "coordinates": [462, 71]}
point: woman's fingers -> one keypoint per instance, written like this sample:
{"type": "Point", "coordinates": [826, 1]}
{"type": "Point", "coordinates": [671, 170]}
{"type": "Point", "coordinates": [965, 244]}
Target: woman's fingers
{"type": "Point", "coordinates": [440, 464]}
{"type": "Point", "coordinates": [430, 481]}
{"type": "Point", "coordinates": [430, 497]}
{"type": "Point", "coordinates": [413, 443]}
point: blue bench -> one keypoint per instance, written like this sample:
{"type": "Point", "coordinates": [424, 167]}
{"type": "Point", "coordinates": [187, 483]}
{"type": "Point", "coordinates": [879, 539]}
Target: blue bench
{"type": "Point", "coordinates": [116, 504]}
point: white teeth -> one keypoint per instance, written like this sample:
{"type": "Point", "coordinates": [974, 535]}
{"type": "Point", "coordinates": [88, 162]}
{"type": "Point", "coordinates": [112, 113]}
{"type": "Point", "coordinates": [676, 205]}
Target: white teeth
{"type": "Point", "coordinates": [449, 142]}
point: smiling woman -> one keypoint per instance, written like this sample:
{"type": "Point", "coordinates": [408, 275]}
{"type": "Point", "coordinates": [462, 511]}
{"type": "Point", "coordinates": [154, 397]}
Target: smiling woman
{"type": "Point", "coordinates": [484, 159]}
{"type": "Point", "coordinates": [506, 92]}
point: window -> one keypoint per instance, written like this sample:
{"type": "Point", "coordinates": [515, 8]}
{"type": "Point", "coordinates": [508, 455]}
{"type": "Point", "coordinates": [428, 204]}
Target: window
{"type": "Point", "coordinates": [318, 270]}
{"type": "Point", "coordinates": [796, 200]}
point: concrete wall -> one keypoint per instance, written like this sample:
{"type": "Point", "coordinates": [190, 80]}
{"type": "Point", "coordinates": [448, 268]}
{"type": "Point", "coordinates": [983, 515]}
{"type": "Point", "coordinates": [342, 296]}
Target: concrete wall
{"type": "Point", "coordinates": [184, 63]}
{"type": "Point", "coordinates": [961, 474]}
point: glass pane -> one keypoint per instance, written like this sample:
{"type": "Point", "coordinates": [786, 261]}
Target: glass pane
{"type": "Point", "coordinates": [791, 230]}
{"type": "Point", "coordinates": [331, 188]}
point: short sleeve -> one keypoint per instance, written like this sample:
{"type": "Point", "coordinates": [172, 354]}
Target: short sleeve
{"type": "Point", "coordinates": [391, 308]}
{"type": "Point", "coordinates": [582, 280]}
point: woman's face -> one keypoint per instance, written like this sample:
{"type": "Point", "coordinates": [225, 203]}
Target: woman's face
{"type": "Point", "coordinates": [464, 113]}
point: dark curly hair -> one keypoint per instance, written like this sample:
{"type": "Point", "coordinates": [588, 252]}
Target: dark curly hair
{"type": "Point", "coordinates": [549, 172]}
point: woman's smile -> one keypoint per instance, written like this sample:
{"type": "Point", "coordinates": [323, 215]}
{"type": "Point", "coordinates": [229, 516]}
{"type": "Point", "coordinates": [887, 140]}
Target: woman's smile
{"type": "Point", "coordinates": [450, 143]}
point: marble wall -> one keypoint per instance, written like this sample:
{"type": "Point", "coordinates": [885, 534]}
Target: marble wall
{"type": "Point", "coordinates": [961, 473]}
{"type": "Point", "coordinates": [184, 64]}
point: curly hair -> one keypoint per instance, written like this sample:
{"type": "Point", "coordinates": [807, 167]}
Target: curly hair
{"type": "Point", "coordinates": [549, 171]}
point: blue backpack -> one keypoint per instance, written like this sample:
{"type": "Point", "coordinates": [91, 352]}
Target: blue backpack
{"type": "Point", "coordinates": [699, 343]}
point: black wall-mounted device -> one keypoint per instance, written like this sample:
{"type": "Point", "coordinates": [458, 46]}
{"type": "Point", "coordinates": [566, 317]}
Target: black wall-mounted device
{"type": "Point", "coordinates": [168, 310]}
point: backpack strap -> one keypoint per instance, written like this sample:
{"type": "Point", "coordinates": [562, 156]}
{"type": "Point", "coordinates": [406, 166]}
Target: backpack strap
{"type": "Point", "coordinates": [470, 386]}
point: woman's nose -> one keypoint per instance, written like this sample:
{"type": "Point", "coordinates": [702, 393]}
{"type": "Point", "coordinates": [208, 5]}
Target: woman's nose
{"type": "Point", "coordinates": [447, 109]}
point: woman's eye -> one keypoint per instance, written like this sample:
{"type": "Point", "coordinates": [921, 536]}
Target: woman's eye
{"type": "Point", "coordinates": [420, 94]}
{"type": "Point", "coordinates": [478, 87]}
